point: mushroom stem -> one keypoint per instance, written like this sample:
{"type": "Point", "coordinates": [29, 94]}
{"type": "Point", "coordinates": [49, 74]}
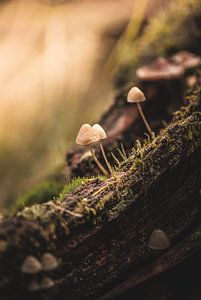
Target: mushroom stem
{"type": "Point", "coordinates": [145, 120]}
{"type": "Point", "coordinates": [98, 163]}
{"type": "Point", "coordinates": [106, 160]}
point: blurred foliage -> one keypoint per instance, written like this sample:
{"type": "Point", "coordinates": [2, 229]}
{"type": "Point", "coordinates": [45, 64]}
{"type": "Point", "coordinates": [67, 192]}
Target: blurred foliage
{"type": "Point", "coordinates": [49, 87]}
{"type": "Point", "coordinates": [61, 76]}
{"type": "Point", "coordinates": [167, 33]}
{"type": "Point", "coordinates": [47, 189]}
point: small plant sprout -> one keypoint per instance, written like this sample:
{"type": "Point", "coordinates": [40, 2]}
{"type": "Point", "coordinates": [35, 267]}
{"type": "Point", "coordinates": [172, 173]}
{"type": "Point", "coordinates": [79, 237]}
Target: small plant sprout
{"type": "Point", "coordinates": [135, 95]}
{"type": "Point", "coordinates": [102, 135]}
{"type": "Point", "coordinates": [158, 240]}
{"type": "Point", "coordinates": [31, 265]}
{"type": "Point", "coordinates": [87, 136]}
{"type": "Point", "coordinates": [49, 262]}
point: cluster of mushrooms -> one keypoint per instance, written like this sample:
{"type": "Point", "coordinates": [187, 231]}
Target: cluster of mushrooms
{"type": "Point", "coordinates": [88, 135]}
{"type": "Point", "coordinates": [159, 69]}
{"type": "Point", "coordinates": [32, 266]}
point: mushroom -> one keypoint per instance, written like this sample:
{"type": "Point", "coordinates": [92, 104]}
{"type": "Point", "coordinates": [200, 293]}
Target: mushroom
{"type": "Point", "coordinates": [158, 240]}
{"type": "Point", "coordinates": [34, 286]}
{"type": "Point", "coordinates": [31, 265]}
{"type": "Point", "coordinates": [86, 136]}
{"type": "Point", "coordinates": [49, 262]}
{"type": "Point", "coordinates": [46, 283]}
{"type": "Point", "coordinates": [135, 95]}
{"type": "Point", "coordinates": [3, 246]}
{"type": "Point", "coordinates": [160, 69]}
{"type": "Point", "coordinates": [191, 80]}
{"type": "Point", "coordinates": [186, 59]}
{"type": "Point", "coordinates": [102, 135]}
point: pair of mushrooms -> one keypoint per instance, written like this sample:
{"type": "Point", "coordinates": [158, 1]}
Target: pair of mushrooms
{"type": "Point", "coordinates": [89, 135]}
{"type": "Point", "coordinates": [31, 265]}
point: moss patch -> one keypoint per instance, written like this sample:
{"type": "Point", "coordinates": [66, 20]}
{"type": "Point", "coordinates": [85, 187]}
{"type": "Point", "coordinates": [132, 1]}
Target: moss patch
{"type": "Point", "coordinates": [41, 193]}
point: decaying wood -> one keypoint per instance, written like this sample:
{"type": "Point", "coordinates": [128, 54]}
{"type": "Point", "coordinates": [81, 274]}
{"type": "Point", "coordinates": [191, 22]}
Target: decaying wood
{"type": "Point", "coordinates": [99, 232]}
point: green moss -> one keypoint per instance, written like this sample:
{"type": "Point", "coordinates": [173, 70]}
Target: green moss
{"type": "Point", "coordinates": [41, 193]}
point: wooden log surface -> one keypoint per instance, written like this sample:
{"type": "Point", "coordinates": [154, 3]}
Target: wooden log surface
{"type": "Point", "coordinates": [99, 232]}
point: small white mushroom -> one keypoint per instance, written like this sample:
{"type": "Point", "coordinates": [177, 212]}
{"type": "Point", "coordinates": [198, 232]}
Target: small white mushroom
{"type": "Point", "coordinates": [31, 265]}
{"type": "Point", "coordinates": [46, 283]}
{"type": "Point", "coordinates": [158, 240]}
{"type": "Point", "coordinates": [100, 131]}
{"type": "Point", "coordinates": [34, 286]}
{"type": "Point", "coordinates": [49, 262]}
{"type": "Point", "coordinates": [135, 95]}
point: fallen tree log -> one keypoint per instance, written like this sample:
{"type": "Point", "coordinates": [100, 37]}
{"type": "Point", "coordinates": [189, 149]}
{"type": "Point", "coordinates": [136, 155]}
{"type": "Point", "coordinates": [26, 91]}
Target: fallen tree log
{"type": "Point", "coordinates": [99, 232]}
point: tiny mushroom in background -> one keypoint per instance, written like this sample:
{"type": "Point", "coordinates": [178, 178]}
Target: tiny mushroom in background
{"type": "Point", "coordinates": [160, 69]}
{"type": "Point", "coordinates": [46, 283]}
{"type": "Point", "coordinates": [191, 80]}
{"type": "Point", "coordinates": [186, 59]}
{"type": "Point", "coordinates": [34, 286]}
{"type": "Point", "coordinates": [49, 262]}
{"type": "Point", "coordinates": [31, 265]}
{"type": "Point", "coordinates": [158, 240]}
{"type": "Point", "coordinates": [102, 135]}
{"type": "Point", "coordinates": [87, 136]}
{"type": "Point", "coordinates": [135, 95]}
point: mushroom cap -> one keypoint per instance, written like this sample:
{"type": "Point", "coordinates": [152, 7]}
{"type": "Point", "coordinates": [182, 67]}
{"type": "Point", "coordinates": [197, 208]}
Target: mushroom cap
{"type": "Point", "coordinates": [186, 59]}
{"type": "Point", "coordinates": [158, 240]}
{"type": "Point", "coordinates": [49, 262]}
{"type": "Point", "coordinates": [34, 286]}
{"type": "Point", "coordinates": [135, 95]}
{"type": "Point", "coordinates": [46, 283]}
{"type": "Point", "coordinates": [87, 135]}
{"type": "Point", "coordinates": [31, 265]}
{"type": "Point", "coordinates": [160, 69]}
{"type": "Point", "coordinates": [3, 246]}
{"type": "Point", "coordinates": [100, 131]}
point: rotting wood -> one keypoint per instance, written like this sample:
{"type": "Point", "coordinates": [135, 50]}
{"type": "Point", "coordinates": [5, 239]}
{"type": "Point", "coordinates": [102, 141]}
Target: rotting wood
{"type": "Point", "coordinates": [100, 231]}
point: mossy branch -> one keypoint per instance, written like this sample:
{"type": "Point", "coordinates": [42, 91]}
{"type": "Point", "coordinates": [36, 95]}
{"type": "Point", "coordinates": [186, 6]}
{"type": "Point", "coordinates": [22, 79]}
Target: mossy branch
{"type": "Point", "coordinates": [99, 232]}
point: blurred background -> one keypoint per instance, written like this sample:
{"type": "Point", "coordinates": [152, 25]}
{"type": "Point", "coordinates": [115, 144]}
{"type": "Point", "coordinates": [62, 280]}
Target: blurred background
{"type": "Point", "coordinates": [54, 76]}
